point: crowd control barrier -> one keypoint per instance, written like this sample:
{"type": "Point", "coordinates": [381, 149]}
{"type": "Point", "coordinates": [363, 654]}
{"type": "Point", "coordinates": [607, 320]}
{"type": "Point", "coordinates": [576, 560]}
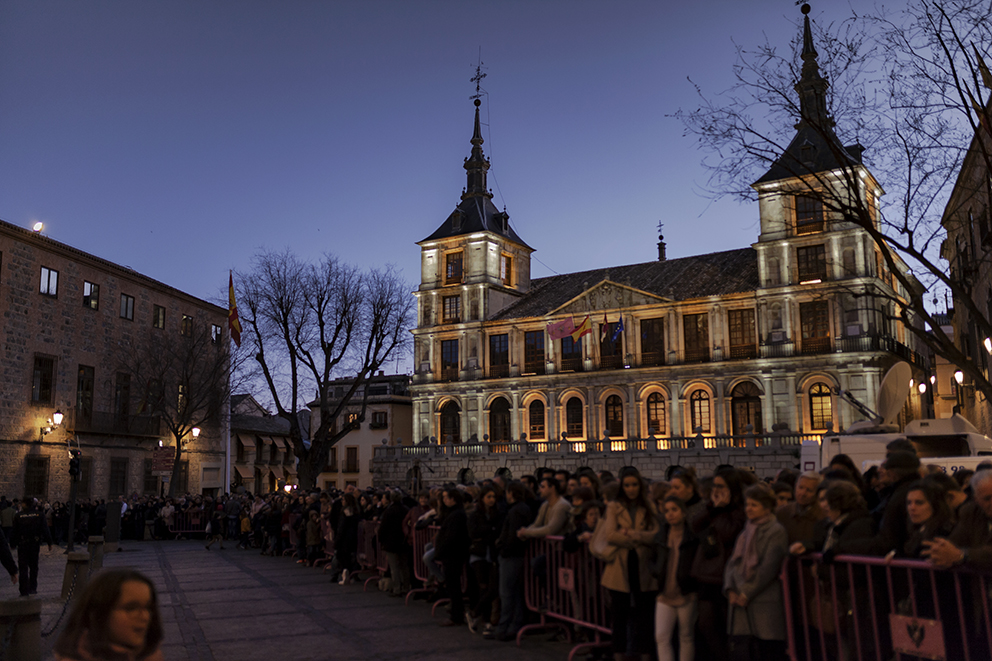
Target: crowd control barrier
{"type": "Point", "coordinates": [421, 538]}
{"type": "Point", "coordinates": [564, 589]}
{"type": "Point", "coordinates": [328, 537]}
{"type": "Point", "coordinates": [189, 523]}
{"type": "Point", "coordinates": [367, 536]}
{"type": "Point", "coordinates": [867, 609]}
{"type": "Point", "coordinates": [292, 539]}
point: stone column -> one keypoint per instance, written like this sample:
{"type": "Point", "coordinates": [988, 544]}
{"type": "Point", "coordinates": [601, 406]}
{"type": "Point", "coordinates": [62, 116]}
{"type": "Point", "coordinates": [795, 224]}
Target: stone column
{"type": "Point", "coordinates": [76, 573]}
{"type": "Point", "coordinates": [96, 552]}
{"type": "Point", "coordinates": [515, 415]}
{"type": "Point", "coordinates": [24, 617]}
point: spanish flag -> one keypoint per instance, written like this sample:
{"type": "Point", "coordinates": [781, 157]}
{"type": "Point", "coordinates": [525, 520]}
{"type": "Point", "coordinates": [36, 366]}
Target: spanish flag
{"type": "Point", "coordinates": [582, 329]}
{"type": "Point", "coordinates": [233, 323]}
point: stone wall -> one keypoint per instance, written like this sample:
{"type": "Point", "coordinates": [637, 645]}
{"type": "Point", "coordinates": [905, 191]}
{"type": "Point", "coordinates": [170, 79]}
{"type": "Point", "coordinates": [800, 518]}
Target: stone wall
{"type": "Point", "coordinates": [440, 468]}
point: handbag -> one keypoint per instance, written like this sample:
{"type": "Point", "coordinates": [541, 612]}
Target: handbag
{"type": "Point", "coordinates": [710, 560]}
{"type": "Point", "coordinates": [207, 529]}
{"type": "Point", "coordinates": [599, 543]}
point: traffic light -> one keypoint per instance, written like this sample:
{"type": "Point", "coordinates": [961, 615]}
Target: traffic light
{"type": "Point", "coordinates": [74, 471]}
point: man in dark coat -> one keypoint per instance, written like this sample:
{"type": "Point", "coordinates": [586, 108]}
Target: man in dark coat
{"type": "Point", "coordinates": [903, 468]}
{"type": "Point", "coordinates": [451, 550]}
{"type": "Point", "coordinates": [30, 530]}
{"type": "Point", "coordinates": [513, 609]}
{"type": "Point", "coordinates": [393, 542]}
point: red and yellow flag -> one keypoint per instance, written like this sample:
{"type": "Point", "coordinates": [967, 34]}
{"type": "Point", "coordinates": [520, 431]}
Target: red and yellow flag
{"type": "Point", "coordinates": [582, 329]}
{"type": "Point", "coordinates": [233, 323]}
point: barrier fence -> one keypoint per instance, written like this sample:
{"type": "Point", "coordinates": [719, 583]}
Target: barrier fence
{"type": "Point", "coordinates": [189, 523]}
{"type": "Point", "coordinates": [867, 609]}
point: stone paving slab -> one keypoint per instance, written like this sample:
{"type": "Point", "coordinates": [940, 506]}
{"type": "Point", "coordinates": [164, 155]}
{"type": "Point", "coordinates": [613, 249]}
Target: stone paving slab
{"type": "Point", "coordinates": [238, 605]}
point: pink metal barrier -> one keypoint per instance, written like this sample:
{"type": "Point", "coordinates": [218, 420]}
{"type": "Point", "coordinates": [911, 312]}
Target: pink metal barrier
{"type": "Point", "coordinates": [569, 592]}
{"type": "Point", "coordinates": [328, 537]}
{"type": "Point", "coordinates": [290, 549]}
{"type": "Point", "coordinates": [367, 534]}
{"type": "Point", "coordinates": [420, 540]}
{"type": "Point", "coordinates": [188, 523]}
{"type": "Point", "coordinates": [866, 609]}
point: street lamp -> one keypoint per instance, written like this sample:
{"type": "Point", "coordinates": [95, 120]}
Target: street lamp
{"type": "Point", "coordinates": [196, 433]}
{"type": "Point", "coordinates": [52, 423]}
{"type": "Point", "coordinates": [959, 379]}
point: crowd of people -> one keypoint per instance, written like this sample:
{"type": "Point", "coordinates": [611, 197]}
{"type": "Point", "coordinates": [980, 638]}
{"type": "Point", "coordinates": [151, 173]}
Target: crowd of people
{"type": "Point", "coordinates": [692, 564]}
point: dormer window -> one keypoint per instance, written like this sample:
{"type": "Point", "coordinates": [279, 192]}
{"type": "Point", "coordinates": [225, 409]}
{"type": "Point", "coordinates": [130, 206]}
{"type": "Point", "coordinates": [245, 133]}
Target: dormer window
{"type": "Point", "coordinates": [453, 268]}
{"type": "Point", "coordinates": [456, 221]}
{"type": "Point", "coordinates": [809, 215]}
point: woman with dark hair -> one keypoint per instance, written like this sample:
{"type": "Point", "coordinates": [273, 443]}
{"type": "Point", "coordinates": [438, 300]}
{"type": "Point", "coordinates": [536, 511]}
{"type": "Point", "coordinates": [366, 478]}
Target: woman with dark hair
{"type": "Point", "coordinates": [631, 523]}
{"type": "Point", "coordinates": [717, 527]}
{"type": "Point", "coordinates": [929, 516]}
{"type": "Point", "coordinates": [751, 580]}
{"type": "Point", "coordinates": [116, 618]}
{"type": "Point", "coordinates": [587, 478]}
{"type": "Point", "coordinates": [686, 488]}
{"type": "Point", "coordinates": [845, 461]}
{"type": "Point", "coordinates": [484, 525]}
{"type": "Point", "coordinates": [675, 549]}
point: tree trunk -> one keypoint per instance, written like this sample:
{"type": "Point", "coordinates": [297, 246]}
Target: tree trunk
{"type": "Point", "coordinates": [176, 466]}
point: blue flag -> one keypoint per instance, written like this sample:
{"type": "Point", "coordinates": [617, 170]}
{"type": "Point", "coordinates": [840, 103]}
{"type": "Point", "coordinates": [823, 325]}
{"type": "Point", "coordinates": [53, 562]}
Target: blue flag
{"type": "Point", "coordinates": [618, 330]}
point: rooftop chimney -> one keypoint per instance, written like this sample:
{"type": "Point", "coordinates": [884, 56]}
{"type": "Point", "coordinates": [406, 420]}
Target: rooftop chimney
{"type": "Point", "coordinates": [661, 247]}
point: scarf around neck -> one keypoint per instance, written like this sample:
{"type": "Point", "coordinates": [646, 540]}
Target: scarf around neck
{"type": "Point", "coordinates": [744, 549]}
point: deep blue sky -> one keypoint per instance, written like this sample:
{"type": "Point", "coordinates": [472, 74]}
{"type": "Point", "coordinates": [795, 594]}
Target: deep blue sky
{"type": "Point", "coordinates": [178, 137]}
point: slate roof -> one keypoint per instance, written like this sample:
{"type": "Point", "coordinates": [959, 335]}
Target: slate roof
{"type": "Point", "coordinates": [715, 274]}
{"type": "Point", "coordinates": [812, 150]}
{"type": "Point", "coordinates": [478, 214]}
{"type": "Point", "coordinates": [264, 426]}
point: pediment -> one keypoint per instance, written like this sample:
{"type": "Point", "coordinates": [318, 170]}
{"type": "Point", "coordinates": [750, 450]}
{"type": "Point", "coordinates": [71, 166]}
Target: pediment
{"type": "Point", "coordinates": [608, 295]}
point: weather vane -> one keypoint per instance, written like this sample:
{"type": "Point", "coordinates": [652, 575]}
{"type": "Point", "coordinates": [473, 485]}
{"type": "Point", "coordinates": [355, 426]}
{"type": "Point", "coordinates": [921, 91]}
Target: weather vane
{"type": "Point", "coordinates": [661, 226]}
{"type": "Point", "coordinates": [477, 78]}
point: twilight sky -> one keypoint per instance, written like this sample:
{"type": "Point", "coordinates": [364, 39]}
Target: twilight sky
{"type": "Point", "coordinates": [178, 137]}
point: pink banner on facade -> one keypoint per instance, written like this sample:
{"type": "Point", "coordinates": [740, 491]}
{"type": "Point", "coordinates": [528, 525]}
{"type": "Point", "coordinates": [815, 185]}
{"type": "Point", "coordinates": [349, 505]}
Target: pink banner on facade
{"type": "Point", "coordinates": [563, 328]}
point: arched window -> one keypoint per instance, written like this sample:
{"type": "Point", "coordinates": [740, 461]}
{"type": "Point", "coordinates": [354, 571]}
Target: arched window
{"type": "Point", "coordinates": [699, 411]}
{"type": "Point", "coordinates": [574, 427]}
{"type": "Point", "coordinates": [499, 421]}
{"type": "Point", "coordinates": [821, 408]}
{"type": "Point", "coordinates": [450, 424]}
{"type": "Point", "coordinates": [614, 416]}
{"type": "Point", "coordinates": [657, 422]}
{"type": "Point", "coordinates": [535, 414]}
{"type": "Point", "coordinates": [745, 406]}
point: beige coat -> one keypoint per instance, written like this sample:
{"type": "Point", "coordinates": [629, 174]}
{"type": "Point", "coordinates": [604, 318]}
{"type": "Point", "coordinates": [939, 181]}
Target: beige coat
{"type": "Point", "coordinates": [638, 538]}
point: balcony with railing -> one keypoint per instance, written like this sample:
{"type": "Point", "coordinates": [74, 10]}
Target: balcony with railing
{"type": "Point", "coordinates": [697, 355]}
{"type": "Point", "coordinates": [813, 345]}
{"type": "Point", "coordinates": [535, 367]}
{"type": "Point", "coordinates": [499, 371]}
{"type": "Point", "coordinates": [610, 363]}
{"type": "Point", "coordinates": [743, 351]}
{"type": "Point", "coordinates": [448, 374]}
{"type": "Point", "coordinates": [571, 364]}
{"type": "Point", "coordinates": [652, 358]}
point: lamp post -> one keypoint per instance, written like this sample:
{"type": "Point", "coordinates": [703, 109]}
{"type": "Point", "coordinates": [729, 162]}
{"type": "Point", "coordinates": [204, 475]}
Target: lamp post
{"type": "Point", "coordinates": [959, 379]}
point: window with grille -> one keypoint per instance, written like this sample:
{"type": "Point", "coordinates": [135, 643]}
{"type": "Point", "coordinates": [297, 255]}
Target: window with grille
{"type": "Point", "coordinates": [809, 215]}
{"type": "Point", "coordinates": [574, 427]}
{"type": "Point", "coordinates": [657, 422]}
{"type": "Point", "coordinates": [158, 317]}
{"type": "Point", "coordinates": [743, 336]}
{"type": "Point", "coordinates": [820, 406]}
{"type": "Point", "coordinates": [36, 477]}
{"type": "Point", "coordinates": [84, 392]}
{"type": "Point", "coordinates": [127, 307]}
{"type": "Point", "coordinates": [186, 326]}
{"type": "Point", "coordinates": [215, 334]}
{"type": "Point", "coordinates": [49, 282]}
{"type": "Point", "coordinates": [449, 358]}
{"type": "Point", "coordinates": [535, 414]}
{"type": "Point", "coordinates": [534, 361]}
{"type": "Point", "coordinates": [378, 420]}
{"type": "Point", "coordinates": [814, 319]}
{"type": "Point", "coordinates": [614, 416]}
{"type": "Point", "coordinates": [697, 337]}
{"type": "Point", "coordinates": [452, 309]}
{"type": "Point", "coordinates": [118, 476]}
{"type": "Point", "coordinates": [43, 380]}
{"type": "Point", "coordinates": [351, 460]}
{"type": "Point", "coordinates": [571, 354]}
{"type": "Point", "coordinates": [453, 268]}
{"type": "Point", "coordinates": [699, 411]}
{"type": "Point", "coordinates": [91, 295]}
{"type": "Point", "coordinates": [499, 355]}
{"type": "Point", "coordinates": [812, 263]}
{"type": "Point", "coordinates": [652, 341]}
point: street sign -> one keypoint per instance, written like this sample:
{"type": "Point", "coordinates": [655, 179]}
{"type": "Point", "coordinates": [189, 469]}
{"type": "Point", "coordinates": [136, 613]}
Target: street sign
{"type": "Point", "coordinates": [162, 460]}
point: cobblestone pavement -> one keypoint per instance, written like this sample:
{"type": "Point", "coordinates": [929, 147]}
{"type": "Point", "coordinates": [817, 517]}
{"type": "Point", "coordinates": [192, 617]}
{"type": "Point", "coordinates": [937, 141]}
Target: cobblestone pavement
{"type": "Point", "coordinates": [239, 605]}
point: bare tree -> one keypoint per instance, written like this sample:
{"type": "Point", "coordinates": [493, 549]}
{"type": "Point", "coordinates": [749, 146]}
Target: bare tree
{"type": "Point", "coordinates": [906, 98]}
{"type": "Point", "coordinates": [309, 323]}
{"type": "Point", "coordinates": [182, 376]}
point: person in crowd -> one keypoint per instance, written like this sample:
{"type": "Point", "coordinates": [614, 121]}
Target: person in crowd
{"type": "Point", "coordinates": [788, 476]}
{"type": "Point", "coordinates": [970, 543]}
{"type": "Point", "coordinates": [29, 531]}
{"type": "Point", "coordinates": [553, 516]}
{"type": "Point", "coordinates": [799, 517]}
{"type": "Point", "coordinates": [588, 478]}
{"type": "Point", "coordinates": [571, 486]}
{"type": "Point", "coordinates": [414, 514]}
{"type": "Point", "coordinates": [929, 516]}
{"type": "Point", "coordinates": [346, 538]}
{"type": "Point", "coordinates": [848, 522]}
{"type": "Point", "coordinates": [902, 469]}
{"type": "Point", "coordinates": [784, 493]}
{"type": "Point", "coordinates": [116, 618]}
{"type": "Point", "coordinates": [676, 604]}
{"type": "Point", "coordinates": [218, 522]}
{"type": "Point", "coordinates": [717, 528]}
{"type": "Point", "coordinates": [751, 580]}
{"type": "Point", "coordinates": [844, 461]}
{"type": "Point", "coordinates": [659, 491]}
{"type": "Point", "coordinates": [511, 549]}
{"type": "Point", "coordinates": [8, 508]}
{"type": "Point", "coordinates": [7, 559]}
{"type": "Point", "coordinates": [685, 487]}
{"type": "Point", "coordinates": [484, 525]}
{"type": "Point", "coordinates": [631, 524]}
{"type": "Point", "coordinates": [954, 493]}
{"type": "Point", "coordinates": [395, 544]}
{"type": "Point", "coordinates": [273, 528]}
{"type": "Point", "coordinates": [451, 549]}
{"type": "Point", "coordinates": [563, 476]}
{"type": "Point", "coordinates": [584, 524]}
{"type": "Point", "coordinates": [313, 537]}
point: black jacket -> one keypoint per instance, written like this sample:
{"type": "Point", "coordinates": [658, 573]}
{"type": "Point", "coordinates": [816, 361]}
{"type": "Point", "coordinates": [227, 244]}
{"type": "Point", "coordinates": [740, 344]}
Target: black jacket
{"type": "Point", "coordinates": [483, 531]}
{"type": "Point", "coordinates": [451, 542]}
{"type": "Point", "coordinates": [391, 529]}
{"type": "Point", "coordinates": [6, 558]}
{"type": "Point", "coordinates": [508, 544]}
{"type": "Point", "coordinates": [687, 553]}
{"type": "Point", "coordinates": [893, 528]}
{"type": "Point", "coordinates": [30, 527]}
{"type": "Point", "coordinates": [854, 533]}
